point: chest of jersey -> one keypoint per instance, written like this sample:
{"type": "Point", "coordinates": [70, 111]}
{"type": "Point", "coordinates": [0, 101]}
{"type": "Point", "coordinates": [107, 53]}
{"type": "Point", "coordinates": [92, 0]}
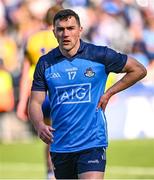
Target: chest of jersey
{"type": "Point", "coordinates": [74, 80]}
{"type": "Point", "coordinates": [74, 72]}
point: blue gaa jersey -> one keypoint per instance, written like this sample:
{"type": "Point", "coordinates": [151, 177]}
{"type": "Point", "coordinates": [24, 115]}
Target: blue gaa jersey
{"type": "Point", "coordinates": [75, 86]}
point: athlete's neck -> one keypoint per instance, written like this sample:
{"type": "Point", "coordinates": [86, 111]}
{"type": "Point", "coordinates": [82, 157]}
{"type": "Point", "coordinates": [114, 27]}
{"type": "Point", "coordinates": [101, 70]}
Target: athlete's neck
{"type": "Point", "coordinates": [70, 53]}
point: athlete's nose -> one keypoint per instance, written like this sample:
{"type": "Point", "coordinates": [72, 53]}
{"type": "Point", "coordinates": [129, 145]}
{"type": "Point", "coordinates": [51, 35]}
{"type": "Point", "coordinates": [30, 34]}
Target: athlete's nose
{"type": "Point", "coordinates": [65, 33]}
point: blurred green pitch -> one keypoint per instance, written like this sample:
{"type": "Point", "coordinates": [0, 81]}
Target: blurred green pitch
{"type": "Point", "coordinates": [126, 159]}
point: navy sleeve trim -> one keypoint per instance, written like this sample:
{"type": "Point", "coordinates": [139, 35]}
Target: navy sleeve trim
{"type": "Point", "coordinates": [114, 61]}
{"type": "Point", "coordinates": [39, 82]}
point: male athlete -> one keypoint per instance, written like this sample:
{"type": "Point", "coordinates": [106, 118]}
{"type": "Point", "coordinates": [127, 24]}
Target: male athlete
{"type": "Point", "coordinates": [74, 74]}
{"type": "Point", "coordinates": [37, 44]}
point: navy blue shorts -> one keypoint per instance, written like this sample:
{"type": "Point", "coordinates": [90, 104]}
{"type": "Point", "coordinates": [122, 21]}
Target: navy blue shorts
{"type": "Point", "coordinates": [69, 165]}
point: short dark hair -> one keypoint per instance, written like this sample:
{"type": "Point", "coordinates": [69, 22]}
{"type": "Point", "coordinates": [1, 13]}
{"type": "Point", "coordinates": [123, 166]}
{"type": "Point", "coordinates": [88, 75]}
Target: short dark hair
{"type": "Point", "coordinates": [64, 14]}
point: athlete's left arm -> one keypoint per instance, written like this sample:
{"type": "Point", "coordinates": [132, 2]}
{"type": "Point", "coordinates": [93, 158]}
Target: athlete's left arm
{"type": "Point", "coordinates": [134, 70]}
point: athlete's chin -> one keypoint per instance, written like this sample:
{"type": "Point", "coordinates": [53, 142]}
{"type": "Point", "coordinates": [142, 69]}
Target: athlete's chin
{"type": "Point", "coordinates": [67, 47]}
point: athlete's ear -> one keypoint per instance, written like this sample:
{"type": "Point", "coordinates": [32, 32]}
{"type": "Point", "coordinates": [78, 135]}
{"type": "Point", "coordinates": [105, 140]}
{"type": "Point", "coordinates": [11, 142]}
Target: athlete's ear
{"type": "Point", "coordinates": [81, 30]}
{"type": "Point", "coordinates": [54, 32]}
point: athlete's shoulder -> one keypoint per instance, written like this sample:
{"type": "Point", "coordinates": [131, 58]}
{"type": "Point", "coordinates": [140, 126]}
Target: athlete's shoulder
{"type": "Point", "coordinates": [93, 52]}
{"type": "Point", "coordinates": [92, 45]}
{"type": "Point", "coordinates": [49, 58]}
{"type": "Point", "coordinates": [99, 51]}
{"type": "Point", "coordinates": [53, 53]}
{"type": "Point", "coordinates": [50, 54]}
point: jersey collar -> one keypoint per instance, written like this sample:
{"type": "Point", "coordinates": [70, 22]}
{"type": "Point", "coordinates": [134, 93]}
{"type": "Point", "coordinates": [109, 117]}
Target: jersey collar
{"type": "Point", "coordinates": [58, 53]}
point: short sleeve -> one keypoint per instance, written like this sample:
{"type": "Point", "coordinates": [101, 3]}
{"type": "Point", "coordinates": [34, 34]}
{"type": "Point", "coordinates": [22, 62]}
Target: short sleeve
{"type": "Point", "coordinates": [39, 82]}
{"type": "Point", "coordinates": [114, 61]}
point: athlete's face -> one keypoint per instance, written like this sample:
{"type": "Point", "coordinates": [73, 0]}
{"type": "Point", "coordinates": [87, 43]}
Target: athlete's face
{"type": "Point", "coordinates": [68, 32]}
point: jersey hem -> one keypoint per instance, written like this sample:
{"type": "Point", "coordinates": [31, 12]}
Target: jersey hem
{"type": "Point", "coordinates": [81, 149]}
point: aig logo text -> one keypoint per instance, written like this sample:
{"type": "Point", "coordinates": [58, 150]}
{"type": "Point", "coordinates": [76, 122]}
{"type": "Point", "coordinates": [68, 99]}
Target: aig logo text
{"type": "Point", "coordinates": [78, 93]}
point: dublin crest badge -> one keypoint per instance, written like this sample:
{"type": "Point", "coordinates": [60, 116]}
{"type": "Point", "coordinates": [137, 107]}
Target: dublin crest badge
{"type": "Point", "coordinates": [89, 72]}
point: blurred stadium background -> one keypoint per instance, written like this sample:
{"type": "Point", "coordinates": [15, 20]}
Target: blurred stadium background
{"type": "Point", "coordinates": [126, 26]}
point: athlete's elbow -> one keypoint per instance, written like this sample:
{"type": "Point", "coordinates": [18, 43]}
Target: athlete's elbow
{"type": "Point", "coordinates": [142, 72]}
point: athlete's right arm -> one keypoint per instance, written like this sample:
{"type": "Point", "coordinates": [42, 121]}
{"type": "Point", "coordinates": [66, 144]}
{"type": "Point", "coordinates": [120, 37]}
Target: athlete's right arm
{"type": "Point", "coordinates": [36, 116]}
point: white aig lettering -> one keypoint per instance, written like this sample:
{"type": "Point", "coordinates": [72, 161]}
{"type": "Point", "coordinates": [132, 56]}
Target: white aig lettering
{"type": "Point", "coordinates": [74, 94]}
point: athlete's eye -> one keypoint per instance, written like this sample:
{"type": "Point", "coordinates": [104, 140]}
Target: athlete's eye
{"type": "Point", "coordinates": [71, 28]}
{"type": "Point", "coordinates": [59, 29]}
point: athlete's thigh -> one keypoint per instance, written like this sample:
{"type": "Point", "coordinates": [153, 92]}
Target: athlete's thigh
{"type": "Point", "coordinates": [92, 175]}
{"type": "Point", "coordinates": [64, 165]}
{"type": "Point", "coordinates": [91, 163]}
